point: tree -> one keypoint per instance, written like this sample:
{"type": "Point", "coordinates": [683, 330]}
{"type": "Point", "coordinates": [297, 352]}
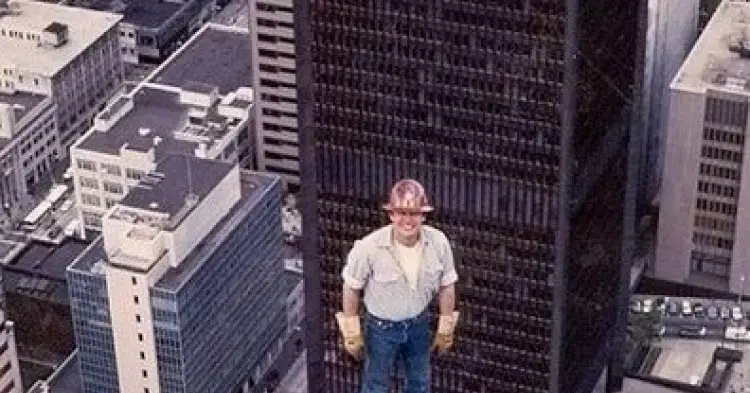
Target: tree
{"type": "Point", "coordinates": [643, 328]}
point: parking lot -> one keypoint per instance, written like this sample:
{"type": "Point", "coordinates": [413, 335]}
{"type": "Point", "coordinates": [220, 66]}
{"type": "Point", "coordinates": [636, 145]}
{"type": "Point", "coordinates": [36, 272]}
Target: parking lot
{"type": "Point", "coordinates": [691, 317]}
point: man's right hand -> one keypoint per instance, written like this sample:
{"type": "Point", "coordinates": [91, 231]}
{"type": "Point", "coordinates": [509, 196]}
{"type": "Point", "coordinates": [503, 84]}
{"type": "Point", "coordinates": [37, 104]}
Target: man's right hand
{"type": "Point", "coordinates": [352, 332]}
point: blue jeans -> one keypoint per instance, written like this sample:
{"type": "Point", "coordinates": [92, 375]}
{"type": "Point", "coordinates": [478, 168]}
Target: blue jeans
{"type": "Point", "coordinates": [388, 341]}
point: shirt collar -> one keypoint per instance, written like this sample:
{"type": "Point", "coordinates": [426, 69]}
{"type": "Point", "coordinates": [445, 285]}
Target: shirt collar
{"type": "Point", "coordinates": [385, 237]}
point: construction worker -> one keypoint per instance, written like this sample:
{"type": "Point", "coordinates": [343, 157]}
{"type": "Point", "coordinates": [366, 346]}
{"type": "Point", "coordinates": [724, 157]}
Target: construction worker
{"type": "Point", "coordinates": [399, 268]}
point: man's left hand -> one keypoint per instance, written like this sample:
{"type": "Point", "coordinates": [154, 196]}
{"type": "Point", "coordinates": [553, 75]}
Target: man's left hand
{"type": "Point", "coordinates": [445, 331]}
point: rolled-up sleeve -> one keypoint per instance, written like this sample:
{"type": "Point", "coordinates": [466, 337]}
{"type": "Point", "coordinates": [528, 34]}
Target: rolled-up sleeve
{"type": "Point", "coordinates": [357, 268]}
{"type": "Point", "coordinates": [450, 276]}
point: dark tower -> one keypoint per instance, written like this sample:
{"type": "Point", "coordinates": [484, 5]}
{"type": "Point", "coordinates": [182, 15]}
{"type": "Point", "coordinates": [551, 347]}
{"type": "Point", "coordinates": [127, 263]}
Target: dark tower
{"type": "Point", "coordinates": [515, 115]}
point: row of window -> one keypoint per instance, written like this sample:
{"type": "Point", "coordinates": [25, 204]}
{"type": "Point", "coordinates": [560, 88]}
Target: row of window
{"type": "Point", "coordinates": [721, 154]}
{"type": "Point", "coordinates": [713, 134]}
{"type": "Point", "coordinates": [108, 186]}
{"type": "Point", "coordinates": [716, 207]}
{"type": "Point", "coordinates": [705, 263]}
{"type": "Point", "coordinates": [727, 112]}
{"type": "Point", "coordinates": [714, 224]}
{"type": "Point", "coordinates": [719, 171]}
{"type": "Point", "coordinates": [136, 300]}
{"type": "Point", "coordinates": [717, 189]}
{"type": "Point", "coordinates": [702, 239]}
{"type": "Point", "coordinates": [110, 169]}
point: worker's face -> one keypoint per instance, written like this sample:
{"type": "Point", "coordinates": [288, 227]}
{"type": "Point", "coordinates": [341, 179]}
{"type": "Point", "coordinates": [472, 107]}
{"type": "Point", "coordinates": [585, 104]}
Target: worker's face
{"type": "Point", "coordinates": [407, 224]}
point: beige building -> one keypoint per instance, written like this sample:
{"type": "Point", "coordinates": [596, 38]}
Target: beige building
{"type": "Point", "coordinates": [275, 83]}
{"type": "Point", "coordinates": [704, 219]}
{"type": "Point", "coordinates": [28, 143]}
{"type": "Point", "coordinates": [10, 372]}
{"type": "Point", "coordinates": [71, 54]}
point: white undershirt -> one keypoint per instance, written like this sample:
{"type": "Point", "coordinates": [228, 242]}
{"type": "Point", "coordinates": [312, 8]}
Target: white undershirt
{"type": "Point", "coordinates": [410, 259]}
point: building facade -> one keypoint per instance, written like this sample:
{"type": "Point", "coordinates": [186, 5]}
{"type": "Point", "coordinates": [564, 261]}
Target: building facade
{"type": "Point", "coordinates": [517, 120]}
{"type": "Point", "coordinates": [28, 143]}
{"type": "Point", "coordinates": [275, 83]}
{"type": "Point", "coordinates": [68, 53]}
{"type": "Point", "coordinates": [702, 235]}
{"type": "Point", "coordinates": [180, 293]}
{"type": "Point", "coordinates": [10, 372]}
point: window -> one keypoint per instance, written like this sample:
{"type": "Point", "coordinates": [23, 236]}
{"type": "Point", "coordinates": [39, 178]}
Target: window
{"type": "Point", "coordinates": [140, 336]}
{"type": "Point", "coordinates": [110, 169]}
{"type": "Point", "coordinates": [133, 174]}
{"type": "Point", "coordinates": [143, 355]}
{"type": "Point", "coordinates": [86, 164]}
{"type": "Point", "coordinates": [111, 187]}
{"type": "Point", "coordinates": [138, 318]}
{"type": "Point", "coordinates": [91, 200]}
{"type": "Point", "coordinates": [88, 182]}
{"type": "Point", "coordinates": [144, 373]}
{"type": "Point", "coordinates": [145, 390]}
{"type": "Point", "coordinates": [134, 280]}
{"type": "Point", "coordinates": [135, 299]}
{"type": "Point", "coordinates": [109, 202]}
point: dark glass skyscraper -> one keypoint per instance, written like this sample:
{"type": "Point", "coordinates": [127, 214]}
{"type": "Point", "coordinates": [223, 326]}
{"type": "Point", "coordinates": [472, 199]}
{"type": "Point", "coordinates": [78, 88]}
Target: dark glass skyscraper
{"type": "Point", "coordinates": [515, 115]}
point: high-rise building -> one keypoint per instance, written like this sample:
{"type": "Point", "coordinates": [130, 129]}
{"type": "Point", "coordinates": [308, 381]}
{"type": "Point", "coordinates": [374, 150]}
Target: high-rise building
{"type": "Point", "coordinates": [68, 53]}
{"type": "Point", "coordinates": [275, 83]}
{"type": "Point", "coordinates": [516, 117]}
{"type": "Point", "coordinates": [703, 202]}
{"type": "Point", "coordinates": [181, 292]}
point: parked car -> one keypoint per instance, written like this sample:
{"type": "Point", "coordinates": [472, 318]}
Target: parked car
{"type": "Point", "coordinates": [712, 312]}
{"type": "Point", "coordinates": [647, 305]}
{"type": "Point", "coordinates": [737, 313]}
{"type": "Point", "coordinates": [673, 309]}
{"type": "Point", "coordinates": [687, 309]}
{"type": "Point", "coordinates": [635, 306]}
{"type": "Point", "coordinates": [692, 331]}
{"type": "Point", "coordinates": [660, 303]}
{"type": "Point", "coordinates": [725, 312]}
{"type": "Point", "coordinates": [699, 310]}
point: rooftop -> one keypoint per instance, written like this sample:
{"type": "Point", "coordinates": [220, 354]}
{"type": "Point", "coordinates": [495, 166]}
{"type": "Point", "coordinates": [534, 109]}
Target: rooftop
{"type": "Point", "coordinates": [158, 110]}
{"type": "Point", "coordinates": [215, 48]}
{"type": "Point", "coordinates": [715, 61]}
{"type": "Point", "coordinates": [186, 174]}
{"type": "Point", "coordinates": [48, 259]}
{"type": "Point", "coordinates": [253, 187]}
{"type": "Point", "coordinates": [148, 13]}
{"type": "Point", "coordinates": [22, 103]}
{"type": "Point", "coordinates": [84, 28]}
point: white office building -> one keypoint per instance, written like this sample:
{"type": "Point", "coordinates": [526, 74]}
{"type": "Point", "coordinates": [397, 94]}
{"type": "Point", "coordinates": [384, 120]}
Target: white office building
{"type": "Point", "coordinates": [10, 372]}
{"type": "Point", "coordinates": [275, 83]}
{"type": "Point", "coordinates": [184, 107]}
{"type": "Point", "coordinates": [71, 54]}
{"type": "Point", "coordinates": [182, 292]}
{"type": "Point", "coordinates": [704, 219]}
{"type": "Point", "coordinates": [28, 142]}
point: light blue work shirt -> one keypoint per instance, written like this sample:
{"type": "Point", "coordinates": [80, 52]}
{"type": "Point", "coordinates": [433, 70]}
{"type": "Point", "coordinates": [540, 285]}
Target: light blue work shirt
{"type": "Point", "coordinates": [373, 266]}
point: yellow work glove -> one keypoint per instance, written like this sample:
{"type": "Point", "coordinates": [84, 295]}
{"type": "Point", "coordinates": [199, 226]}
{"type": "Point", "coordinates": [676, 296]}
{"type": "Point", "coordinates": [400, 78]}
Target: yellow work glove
{"type": "Point", "coordinates": [352, 333]}
{"type": "Point", "coordinates": [444, 335]}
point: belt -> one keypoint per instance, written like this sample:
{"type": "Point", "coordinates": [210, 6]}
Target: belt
{"type": "Point", "coordinates": [384, 322]}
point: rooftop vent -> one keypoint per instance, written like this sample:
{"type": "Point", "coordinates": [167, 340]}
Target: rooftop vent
{"type": "Point", "coordinates": [144, 131]}
{"type": "Point", "coordinates": [742, 48]}
{"type": "Point", "coordinates": [153, 205]}
{"type": "Point", "coordinates": [55, 34]}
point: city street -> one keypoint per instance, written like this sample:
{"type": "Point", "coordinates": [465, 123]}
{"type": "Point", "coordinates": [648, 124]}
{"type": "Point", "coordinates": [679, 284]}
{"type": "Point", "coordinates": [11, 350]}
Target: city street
{"type": "Point", "coordinates": [713, 315]}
